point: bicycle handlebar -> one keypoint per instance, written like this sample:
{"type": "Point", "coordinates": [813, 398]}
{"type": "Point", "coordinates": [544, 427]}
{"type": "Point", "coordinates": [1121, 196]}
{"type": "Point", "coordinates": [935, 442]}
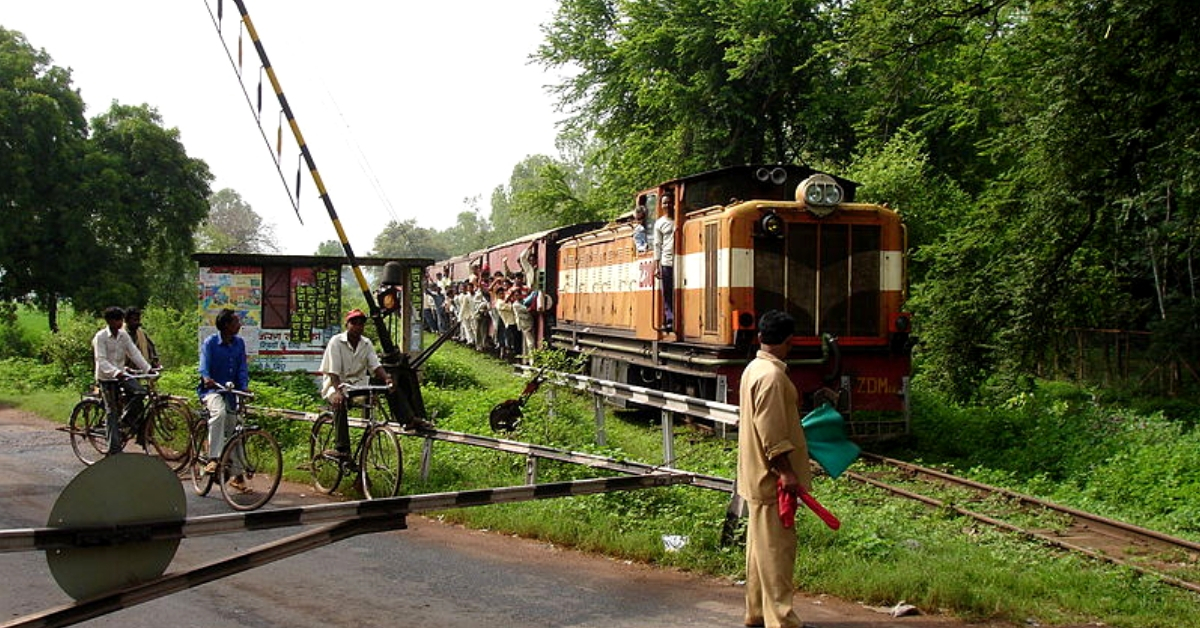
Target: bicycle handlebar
{"type": "Point", "coordinates": [229, 388]}
{"type": "Point", "coordinates": [349, 388]}
{"type": "Point", "coordinates": [151, 374]}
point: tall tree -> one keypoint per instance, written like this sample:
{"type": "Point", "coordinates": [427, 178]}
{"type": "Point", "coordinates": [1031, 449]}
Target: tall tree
{"type": "Point", "coordinates": [232, 226]}
{"type": "Point", "coordinates": [542, 193]}
{"type": "Point", "coordinates": [1073, 125]}
{"type": "Point", "coordinates": [148, 197]}
{"type": "Point", "coordinates": [330, 248]}
{"type": "Point", "coordinates": [45, 246]}
{"type": "Point", "coordinates": [405, 239]}
{"type": "Point", "coordinates": [681, 86]}
{"type": "Point", "coordinates": [471, 232]}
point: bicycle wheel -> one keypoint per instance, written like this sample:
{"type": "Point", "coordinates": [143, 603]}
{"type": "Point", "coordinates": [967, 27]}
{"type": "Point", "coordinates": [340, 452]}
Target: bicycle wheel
{"type": "Point", "coordinates": [88, 429]}
{"type": "Point", "coordinates": [382, 463]}
{"type": "Point", "coordinates": [250, 470]}
{"type": "Point", "coordinates": [326, 472]}
{"type": "Point", "coordinates": [168, 432]}
{"type": "Point", "coordinates": [201, 482]}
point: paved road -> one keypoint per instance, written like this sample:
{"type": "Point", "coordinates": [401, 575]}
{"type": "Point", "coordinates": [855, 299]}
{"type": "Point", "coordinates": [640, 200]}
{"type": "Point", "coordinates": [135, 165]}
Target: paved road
{"type": "Point", "coordinates": [429, 575]}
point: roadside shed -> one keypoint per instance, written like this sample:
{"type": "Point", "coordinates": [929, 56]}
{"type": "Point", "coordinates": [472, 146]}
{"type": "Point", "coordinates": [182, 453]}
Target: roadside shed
{"type": "Point", "coordinates": [291, 305]}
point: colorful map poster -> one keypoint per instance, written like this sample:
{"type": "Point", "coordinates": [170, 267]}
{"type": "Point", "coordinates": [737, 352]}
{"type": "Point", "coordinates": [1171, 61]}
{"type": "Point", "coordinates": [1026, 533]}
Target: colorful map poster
{"type": "Point", "coordinates": [237, 288]}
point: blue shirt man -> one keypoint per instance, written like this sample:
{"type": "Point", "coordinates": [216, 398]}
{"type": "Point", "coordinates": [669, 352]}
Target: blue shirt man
{"type": "Point", "coordinates": [222, 360]}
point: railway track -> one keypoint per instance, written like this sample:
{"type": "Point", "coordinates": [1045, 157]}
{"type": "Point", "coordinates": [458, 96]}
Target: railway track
{"type": "Point", "coordinates": [1173, 560]}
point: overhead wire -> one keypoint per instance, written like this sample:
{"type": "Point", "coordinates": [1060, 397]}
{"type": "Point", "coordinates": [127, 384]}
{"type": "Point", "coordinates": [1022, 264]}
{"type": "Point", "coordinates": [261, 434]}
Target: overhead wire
{"type": "Point", "coordinates": [276, 152]}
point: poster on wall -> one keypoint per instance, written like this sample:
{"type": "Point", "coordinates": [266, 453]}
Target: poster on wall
{"type": "Point", "coordinates": [235, 287]}
{"type": "Point", "coordinates": [316, 296]}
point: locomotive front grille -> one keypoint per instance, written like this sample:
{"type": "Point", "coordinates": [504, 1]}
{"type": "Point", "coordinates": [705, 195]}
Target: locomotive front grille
{"type": "Point", "coordinates": [826, 275]}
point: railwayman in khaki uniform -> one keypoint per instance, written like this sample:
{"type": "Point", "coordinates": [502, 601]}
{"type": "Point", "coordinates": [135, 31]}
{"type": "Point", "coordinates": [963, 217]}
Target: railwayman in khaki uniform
{"type": "Point", "coordinates": [772, 458]}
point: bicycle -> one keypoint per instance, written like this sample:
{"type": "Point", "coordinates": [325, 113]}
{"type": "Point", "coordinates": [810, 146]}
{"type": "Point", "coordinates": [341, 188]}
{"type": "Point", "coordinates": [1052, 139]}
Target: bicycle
{"type": "Point", "coordinates": [251, 464]}
{"type": "Point", "coordinates": [377, 462]}
{"type": "Point", "coordinates": [165, 427]}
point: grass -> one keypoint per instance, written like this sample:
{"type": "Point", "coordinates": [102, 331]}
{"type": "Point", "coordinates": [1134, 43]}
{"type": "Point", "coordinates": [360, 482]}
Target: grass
{"type": "Point", "coordinates": [887, 549]}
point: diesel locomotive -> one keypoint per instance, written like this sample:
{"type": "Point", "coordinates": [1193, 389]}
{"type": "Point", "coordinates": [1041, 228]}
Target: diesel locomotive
{"type": "Point", "coordinates": [747, 239]}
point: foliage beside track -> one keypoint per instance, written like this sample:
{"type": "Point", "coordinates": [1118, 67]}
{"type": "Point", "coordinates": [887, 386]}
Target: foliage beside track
{"type": "Point", "coordinates": [1068, 445]}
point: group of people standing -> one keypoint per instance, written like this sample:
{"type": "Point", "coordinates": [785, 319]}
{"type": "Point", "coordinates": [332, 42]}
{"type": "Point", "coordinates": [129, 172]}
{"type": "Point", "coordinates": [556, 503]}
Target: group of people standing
{"type": "Point", "coordinates": [495, 311]}
{"type": "Point", "coordinates": [660, 240]}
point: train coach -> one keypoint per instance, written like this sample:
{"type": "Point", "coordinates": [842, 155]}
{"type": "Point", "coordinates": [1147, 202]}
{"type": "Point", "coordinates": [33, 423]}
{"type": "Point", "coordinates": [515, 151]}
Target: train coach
{"type": "Point", "coordinates": [747, 239]}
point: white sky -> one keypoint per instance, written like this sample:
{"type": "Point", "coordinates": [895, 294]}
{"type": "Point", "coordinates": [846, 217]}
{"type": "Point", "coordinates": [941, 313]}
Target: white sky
{"type": "Point", "coordinates": [408, 107]}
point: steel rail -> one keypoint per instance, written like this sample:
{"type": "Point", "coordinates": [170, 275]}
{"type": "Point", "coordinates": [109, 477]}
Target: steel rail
{"type": "Point", "coordinates": [1128, 528]}
{"type": "Point", "coordinates": [1031, 534]}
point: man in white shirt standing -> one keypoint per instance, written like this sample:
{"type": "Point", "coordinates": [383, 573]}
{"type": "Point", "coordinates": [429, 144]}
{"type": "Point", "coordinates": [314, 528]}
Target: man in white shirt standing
{"type": "Point", "coordinates": [111, 348]}
{"type": "Point", "coordinates": [349, 358]}
{"type": "Point", "coordinates": [664, 257]}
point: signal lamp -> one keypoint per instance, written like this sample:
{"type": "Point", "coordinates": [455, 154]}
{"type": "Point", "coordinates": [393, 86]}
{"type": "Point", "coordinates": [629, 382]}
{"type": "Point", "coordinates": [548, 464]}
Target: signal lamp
{"type": "Point", "coordinates": [388, 298]}
{"type": "Point", "coordinates": [772, 225]}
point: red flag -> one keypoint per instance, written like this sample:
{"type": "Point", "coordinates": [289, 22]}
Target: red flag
{"type": "Point", "coordinates": [816, 507]}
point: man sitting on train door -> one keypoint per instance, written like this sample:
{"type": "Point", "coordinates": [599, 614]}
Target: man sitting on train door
{"type": "Point", "coordinates": [664, 257]}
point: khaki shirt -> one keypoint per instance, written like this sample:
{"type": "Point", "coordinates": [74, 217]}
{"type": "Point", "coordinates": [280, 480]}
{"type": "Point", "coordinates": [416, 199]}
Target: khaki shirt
{"type": "Point", "coordinates": [768, 426]}
{"type": "Point", "coordinates": [352, 365]}
{"type": "Point", "coordinates": [144, 345]}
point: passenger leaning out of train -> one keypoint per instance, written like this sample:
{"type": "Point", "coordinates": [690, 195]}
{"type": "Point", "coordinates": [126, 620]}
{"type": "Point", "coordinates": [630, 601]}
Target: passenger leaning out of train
{"type": "Point", "coordinates": [640, 241]}
{"type": "Point", "coordinates": [664, 257]}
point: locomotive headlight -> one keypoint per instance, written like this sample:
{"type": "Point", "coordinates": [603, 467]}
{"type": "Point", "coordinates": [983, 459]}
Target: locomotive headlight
{"type": "Point", "coordinates": [820, 191]}
{"type": "Point", "coordinates": [772, 225]}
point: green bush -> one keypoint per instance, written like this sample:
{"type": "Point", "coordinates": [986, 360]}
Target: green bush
{"type": "Point", "coordinates": [14, 341]}
{"type": "Point", "coordinates": [23, 375]}
{"type": "Point", "coordinates": [445, 372]}
{"type": "Point", "coordinates": [175, 334]}
{"type": "Point", "coordinates": [1154, 473]}
{"type": "Point", "coordinates": [70, 351]}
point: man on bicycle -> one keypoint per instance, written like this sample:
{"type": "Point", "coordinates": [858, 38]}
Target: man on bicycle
{"type": "Point", "coordinates": [111, 348]}
{"type": "Point", "coordinates": [222, 361]}
{"type": "Point", "coordinates": [349, 358]}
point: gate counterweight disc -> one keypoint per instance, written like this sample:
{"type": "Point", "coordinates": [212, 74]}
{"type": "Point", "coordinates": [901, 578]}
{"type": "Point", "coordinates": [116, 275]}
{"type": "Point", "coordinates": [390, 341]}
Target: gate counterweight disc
{"type": "Point", "coordinates": [120, 489]}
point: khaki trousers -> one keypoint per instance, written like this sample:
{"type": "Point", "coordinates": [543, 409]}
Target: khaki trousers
{"type": "Point", "coordinates": [770, 565]}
